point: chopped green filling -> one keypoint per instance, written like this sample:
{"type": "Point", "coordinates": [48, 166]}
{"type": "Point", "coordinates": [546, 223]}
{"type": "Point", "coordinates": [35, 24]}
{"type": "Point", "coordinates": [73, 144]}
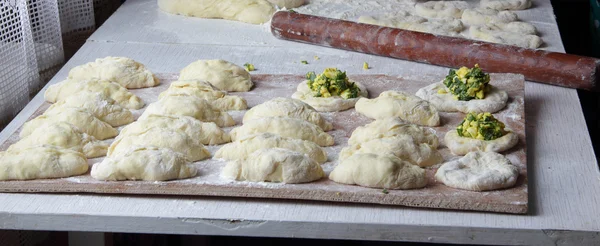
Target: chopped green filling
{"type": "Point", "coordinates": [332, 82]}
{"type": "Point", "coordinates": [304, 62]}
{"type": "Point", "coordinates": [481, 126]}
{"type": "Point", "coordinates": [249, 67]}
{"type": "Point", "coordinates": [467, 84]}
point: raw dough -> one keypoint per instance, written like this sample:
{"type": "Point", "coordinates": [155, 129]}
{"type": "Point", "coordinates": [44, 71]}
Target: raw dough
{"type": "Point", "coordinates": [478, 171]}
{"type": "Point", "coordinates": [441, 9]}
{"type": "Point", "coordinates": [103, 108]}
{"type": "Point", "coordinates": [447, 27]}
{"type": "Point", "coordinates": [494, 101]}
{"type": "Point", "coordinates": [461, 145]}
{"type": "Point", "coordinates": [249, 11]}
{"type": "Point", "coordinates": [220, 73]}
{"type": "Point", "coordinates": [393, 127]}
{"type": "Point", "coordinates": [62, 135]}
{"type": "Point", "coordinates": [288, 4]}
{"type": "Point", "coordinates": [403, 147]}
{"type": "Point", "coordinates": [485, 33]}
{"type": "Point", "coordinates": [288, 107]}
{"type": "Point", "coordinates": [285, 127]}
{"type": "Point", "coordinates": [162, 138]}
{"type": "Point", "coordinates": [505, 4]}
{"type": "Point", "coordinates": [515, 26]}
{"type": "Point", "coordinates": [379, 171]}
{"type": "Point", "coordinates": [144, 163]}
{"type": "Point", "coordinates": [182, 105]}
{"type": "Point", "coordinates": [274, 165]}
{"type": "Point", "coordinates": [480, 17]}
{"type": "Point", "coordinates": [108, 89]}
{"type": "Point", "coordinates": [327, 104]}
{"type": "Point", "coordinates": [242, 148]}
{"type": "Point", "coordinates": [122, 70]}
{"type": "Point", "coordinates": [217, 98]}
{"type": "Point", "coordinates": [41, 162]}
{"type": "Point", "coordinates": [80, 118]}
{"type": "Point", "coordinates": [205, 132]}
{"type": "Point", "coordinates": [399, 104]}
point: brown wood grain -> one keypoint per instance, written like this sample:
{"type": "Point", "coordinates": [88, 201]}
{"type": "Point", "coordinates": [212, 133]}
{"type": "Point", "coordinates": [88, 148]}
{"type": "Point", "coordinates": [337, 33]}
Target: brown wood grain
{"type": "Point", "coordinates": [536, 65]}
{"type": "Point", "coordinates": [434, 195]}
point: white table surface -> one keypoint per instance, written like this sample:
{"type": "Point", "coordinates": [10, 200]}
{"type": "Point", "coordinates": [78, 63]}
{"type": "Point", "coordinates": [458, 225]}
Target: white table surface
{"type": "Point", "coordinates": [564, 181]}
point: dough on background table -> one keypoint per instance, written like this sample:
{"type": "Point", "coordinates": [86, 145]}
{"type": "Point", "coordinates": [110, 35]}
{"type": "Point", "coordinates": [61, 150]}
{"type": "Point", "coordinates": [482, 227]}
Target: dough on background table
{"type": "Point", "coordinates": [220, 73]}
{"type": "Point", "coordinates": [122, 70]}
{"type": "Point", "coordinates": [393, 127]}
{"type": "Point", "coordinates": [515, 27]}
{"type": "Point", "coordinates": [285, 127]}
{"type": "Point", "coordinates": [183, 105]}
{"type": "Point", "coordinates": [492, 35]}
{"type": "Point", "coordinates": [479, 171]}
{"type": "Point", "coordinates": [162, 138]}
{"type": "Point", "coordinates": [494, 101]}
{"type": "Point", "coordinates": [288, 4]}
{"type": "Point", "coordinates": [108, 89]}
{"type": "Point", "coordinates": [505, 4]}
{"type": "Point", "coordinates": [478, 17]}
{"type": "Point", "coordinates": [63, 135]}
{"type": "Point", "coordinates": [446, 27]}
{"type": "Point", "coordinates": [144, 163]}
{"type": "Point", "coordinates": [204, 132]}
{"type": "Point", "coordinates": [41, 162]}
{"type": "Point", "coordinates": [288, 107]}
{"type": "Point", "coordinates": [399, 104]}
{"type": "Point", "coordinates": [249, 11]}
{"type": "Point", "coordinates": [379, 171]}
{"type": "Point", "coordinates": [404, 147]}
{"type": "Point", "coordinates": [327, 104]}
{"type": "Point", "coordinates": [462, 145]}
{"type": "Point", "coordinates": [202, 89]}
{"type": "Point", "coordinates": [441, 9]}
{"type": "Point", "coordinates": [80, 118]}
{"type": "Point", "coordinates": [102, 107]}
{"type": "Point", "coordinates": [244, 147]}
{"type": "Point", "coordinates": [274, 165]}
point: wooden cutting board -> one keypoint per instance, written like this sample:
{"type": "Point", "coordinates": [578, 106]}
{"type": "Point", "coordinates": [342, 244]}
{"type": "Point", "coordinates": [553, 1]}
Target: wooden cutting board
{"type": "Point", "coordinates": [209, 183]}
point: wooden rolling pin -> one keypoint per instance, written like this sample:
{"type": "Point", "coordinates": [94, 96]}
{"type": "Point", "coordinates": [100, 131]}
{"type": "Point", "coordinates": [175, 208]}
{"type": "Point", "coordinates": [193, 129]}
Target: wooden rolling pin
{"type": "Point", "coordinates": [536, 65]}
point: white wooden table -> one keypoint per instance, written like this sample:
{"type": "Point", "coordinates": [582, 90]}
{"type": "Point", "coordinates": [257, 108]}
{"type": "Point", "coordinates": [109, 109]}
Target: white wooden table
{"type": "Point", "coordinates": [564, 181]}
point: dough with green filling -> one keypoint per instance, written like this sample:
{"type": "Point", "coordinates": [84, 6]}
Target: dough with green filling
{"type": "Point", "coordinates": [495, 99]}
{"type": "Point", "coordinates": [462, 145]}
{"type": "Point", "coordinates": [144, 163]}
{"type": "Point", "coordinates": [274, 165]}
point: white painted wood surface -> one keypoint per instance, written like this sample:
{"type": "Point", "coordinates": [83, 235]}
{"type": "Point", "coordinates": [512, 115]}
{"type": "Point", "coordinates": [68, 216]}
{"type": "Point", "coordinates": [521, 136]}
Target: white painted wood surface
{"type": "Point", "coordinates": [564, 184]}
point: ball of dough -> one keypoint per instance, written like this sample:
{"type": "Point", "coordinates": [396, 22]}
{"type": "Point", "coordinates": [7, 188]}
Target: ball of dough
{"type": "Point", "coordinates": [379, 171]}
{"type": "Point", "coordinates": [102, 107]}
{"type": "Point", "coordinates": [111, 90]}
{"type": "Point", "coordinates": [393, 127]}
{"type": "Point", "coordinates": [285, 127]}
{"type": "Point", "coordinates": [41, 162]}
{"type": "Point", "coordinates": [327, 104]}
{"type": "Point", "coordinates": [122, 70]}
{"type": "Point", "coordinates": [492, 35]}
{"type": "Point", "coordinates": [461, 145]}
{"type": "Point", "coordinates": [182, 105]}
{"type": "Point", "coordinates": [505, 4]}
{"type": "Point", "coordinates": [478, 171]}
{"type": "Point", "coordinates": [494, 101]}
{"type": "Point", "coordinates": [249, 11]}
{"type": "Point", "coordinates": [399, 104]}
{"type": "Point", "coordinates": [244, 147]}
{"type": "Point", "coordinates": [275, 165]}
{"type": "Point", "coordinates": [144, 163]}
{"type": "Point", "coordinates": [287, 107]}
{"type": "Point", "coordinates": [217, 98]}
{"type": "Point", "coordinates": [220, 73]}
{"type": "Point", "coordinates": [441, 9]}
{"type": "Point", "coordinates": [78, 117]}
{"type": "Point", "coordinates": [480, 17]}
